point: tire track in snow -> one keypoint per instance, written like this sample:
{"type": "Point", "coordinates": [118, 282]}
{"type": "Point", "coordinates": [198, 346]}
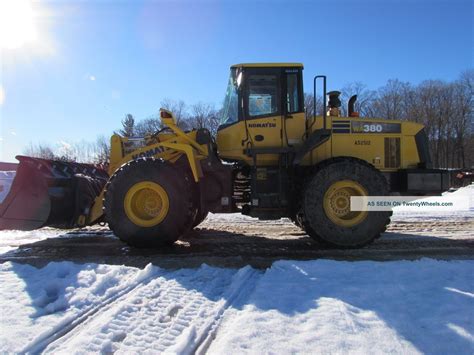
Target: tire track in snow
{"type": "Point", "coordinates": [179, 314]}
{"type": "Point", "coordinates": [69, 323]}
{"type": "Point", "coordinates": [237, 295]}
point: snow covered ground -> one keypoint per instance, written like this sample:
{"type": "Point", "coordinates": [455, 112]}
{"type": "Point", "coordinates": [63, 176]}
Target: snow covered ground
{"type": "Point", "coordinates": [316, 306]}
{"type": "Point", "coordinates": [320, 306]}
{"type": "Point", "coordinates": [10, 240]}
{"type": "Point", "coordinates": [361, 307]}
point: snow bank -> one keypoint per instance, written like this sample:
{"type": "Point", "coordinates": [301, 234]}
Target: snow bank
{"type": "Point", "coordinates": [405, 214]}
{"type": "Point", "coordinates": [321, 306]}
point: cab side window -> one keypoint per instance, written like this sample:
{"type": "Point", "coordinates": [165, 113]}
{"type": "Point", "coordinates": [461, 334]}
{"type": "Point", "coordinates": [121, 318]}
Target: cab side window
{"type": "Point", "coordinates": [292, 93]}
{"type": "Point", "coordinates": [263, 97]}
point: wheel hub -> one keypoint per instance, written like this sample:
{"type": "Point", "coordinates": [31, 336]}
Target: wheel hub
{"type": "Point", "coordinates": [340, 203]}
{"type": "Point", "coordinates": [146, 204]}
{"type": "Point", "coordinates": [337, 203]}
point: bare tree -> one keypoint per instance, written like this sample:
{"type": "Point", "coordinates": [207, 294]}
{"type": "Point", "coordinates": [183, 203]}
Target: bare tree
{"type": "Point", "coordinates": [148, 126]}
{"type": "Point", "coordinates": [466, 79]}
{"type": "Point", "coordinates": [102, 151]}
{"type": "Point", "coordinates": [463, 119]}
{"type": "Point", "coordinates": [214, 121]}
{"type": "Point", "coordinates": [389, 102]}
{"type": "Point", "coordinates": [309, 105]}
{"type": "Point", "coordinates": [202, 115]}
{"type": "Point", "coordinates": [179, 110]}
{"type": "Point", "coordinates": [39, 150]}
{"type": "Point", "coordinates": [434, 115]}
{"type": "Point", "coordinates": [97, 152]}
{"type": "Point", "coordinates": [365, 98]}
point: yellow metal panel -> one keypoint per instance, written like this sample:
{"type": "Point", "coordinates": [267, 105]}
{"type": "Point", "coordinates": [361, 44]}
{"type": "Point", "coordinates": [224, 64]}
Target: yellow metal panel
{"type": "Point", "coordinates": [230, 141]}
{"type": "Point", "coordinates": [270, 129]}
{"type": "Point", "coordinates": [409, 151]}
{"type": "Point", "coordinates": [366, 146]}
{"type": "Point", "coordinates": [95, 213]}
{"type": "Point", "coordinates": [294, 129]}
{"type": "Point", "coordinates": [410, 128]}
{"type": "Point", "coordinates": [371, 146]}
{"type": "Point", "coordinates": [363, 146]}
{"type": "Point", "coordinates": [116, 153]}
{"type": "Point", "coordinates": [234, 139]}
{"type": "Point", "coordinates": [322, 152]}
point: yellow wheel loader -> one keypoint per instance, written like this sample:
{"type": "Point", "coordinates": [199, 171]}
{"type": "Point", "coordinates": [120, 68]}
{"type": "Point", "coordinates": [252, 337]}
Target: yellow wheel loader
{"type": "Point", "coordinates": [266, 161]}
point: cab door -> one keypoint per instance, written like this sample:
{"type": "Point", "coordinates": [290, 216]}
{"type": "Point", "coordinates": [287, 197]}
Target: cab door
{"type": "Point", "coordinates": [263, 111]}
{"type": "Point", "coordinates": [294, 123]}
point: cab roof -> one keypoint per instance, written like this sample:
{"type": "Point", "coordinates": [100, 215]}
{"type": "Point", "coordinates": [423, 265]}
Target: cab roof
{"type": "Point", "coordinates": [267, 65]}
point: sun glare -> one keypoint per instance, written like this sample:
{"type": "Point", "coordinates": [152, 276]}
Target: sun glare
{"type": "Point", "coordinates": [17, 24]}
{"type": "Point", "coordinates": [2, 95]}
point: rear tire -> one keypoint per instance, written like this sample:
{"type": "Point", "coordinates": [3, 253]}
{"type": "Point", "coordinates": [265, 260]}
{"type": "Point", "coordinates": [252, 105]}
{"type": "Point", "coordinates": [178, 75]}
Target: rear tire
{"type": "Point", "coordinates": [326, 214]}
{"type": "Point", "coordinates": [147, 203]}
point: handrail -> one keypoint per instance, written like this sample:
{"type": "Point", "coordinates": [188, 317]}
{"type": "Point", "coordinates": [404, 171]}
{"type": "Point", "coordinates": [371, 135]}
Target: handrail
{"type": "Point", "coordinates": [324, 99]}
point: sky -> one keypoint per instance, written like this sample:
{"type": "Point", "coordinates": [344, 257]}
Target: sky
{"type": "Point", "coordinates": [71, 70]}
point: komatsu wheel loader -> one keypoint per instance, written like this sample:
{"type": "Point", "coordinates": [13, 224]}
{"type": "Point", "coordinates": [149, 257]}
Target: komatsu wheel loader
{"type": "Point", "coordinates": [266, 161]}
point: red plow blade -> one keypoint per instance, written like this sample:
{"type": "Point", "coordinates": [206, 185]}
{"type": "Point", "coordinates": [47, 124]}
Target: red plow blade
{"type": "Point", "coordinates": [49, 193]}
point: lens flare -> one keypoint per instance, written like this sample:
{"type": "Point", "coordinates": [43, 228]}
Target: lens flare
{"type": "Point", "coordinates": [17, 24]}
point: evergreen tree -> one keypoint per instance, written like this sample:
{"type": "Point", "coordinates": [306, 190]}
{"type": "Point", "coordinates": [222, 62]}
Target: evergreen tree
{"type": "Point", "coordinates": [128, 124]}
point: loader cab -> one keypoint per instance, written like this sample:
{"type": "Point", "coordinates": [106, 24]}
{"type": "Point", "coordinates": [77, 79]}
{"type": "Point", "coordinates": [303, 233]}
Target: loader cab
{"type": "Point", "coordinates": [263, 109]}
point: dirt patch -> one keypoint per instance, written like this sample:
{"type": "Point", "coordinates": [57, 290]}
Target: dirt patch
{"type": "Point", "coordinates": [250, 243]}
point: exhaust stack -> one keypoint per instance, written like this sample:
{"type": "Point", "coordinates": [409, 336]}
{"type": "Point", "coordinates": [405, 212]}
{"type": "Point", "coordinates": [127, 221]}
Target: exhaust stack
{"type": "Point", "coordinates": [334, 103]}
{"type": "Point", "coordinates": [350, 107]}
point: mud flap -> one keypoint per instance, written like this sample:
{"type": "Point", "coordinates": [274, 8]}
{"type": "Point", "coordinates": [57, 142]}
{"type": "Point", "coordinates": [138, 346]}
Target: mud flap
{"type": "Point", "coordinates": [50, 193]}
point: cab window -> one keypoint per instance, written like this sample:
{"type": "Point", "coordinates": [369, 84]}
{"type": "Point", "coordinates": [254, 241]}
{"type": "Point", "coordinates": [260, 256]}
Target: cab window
{"type": "Point", "coordinates": [230, 112]}
{"type": "Point", "coordinates": [292, 93]}
{"type": "Point", "coordinates": [262, 91]}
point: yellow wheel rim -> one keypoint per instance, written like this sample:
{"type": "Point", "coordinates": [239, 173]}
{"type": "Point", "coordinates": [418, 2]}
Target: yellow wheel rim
{"type": "Point", "coordinates": [146, 204]}
{"type": "Point", "coordinates": [337, 203]}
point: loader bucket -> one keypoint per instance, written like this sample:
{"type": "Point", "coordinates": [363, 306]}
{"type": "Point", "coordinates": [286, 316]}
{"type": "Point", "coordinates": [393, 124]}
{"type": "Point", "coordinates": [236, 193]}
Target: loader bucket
{"type": "Point", "coordinates": [50, 193]}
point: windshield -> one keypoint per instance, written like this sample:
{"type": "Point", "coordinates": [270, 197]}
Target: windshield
{"type": "Point", "coordinates": [230, 114]}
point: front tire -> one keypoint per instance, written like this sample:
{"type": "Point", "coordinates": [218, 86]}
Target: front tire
{"type": "Point", "coordinates": [199, 217]}
{"type": "Point", "coordinates": [327, 217]}
{"type": "Point", "coordinates": [147, 203]}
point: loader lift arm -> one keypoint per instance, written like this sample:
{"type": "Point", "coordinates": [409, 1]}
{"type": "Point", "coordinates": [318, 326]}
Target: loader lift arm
{"type": "Point", "coordinates": [170, 149]}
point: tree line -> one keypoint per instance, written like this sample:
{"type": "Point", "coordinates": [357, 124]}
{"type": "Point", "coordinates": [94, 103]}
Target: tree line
{"type": "Point", "coordinates": [93, 152]}
{"type": "Point", "coordinates": [445, 108]}
{"type": "Point", "coordinates": [200, 115]}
